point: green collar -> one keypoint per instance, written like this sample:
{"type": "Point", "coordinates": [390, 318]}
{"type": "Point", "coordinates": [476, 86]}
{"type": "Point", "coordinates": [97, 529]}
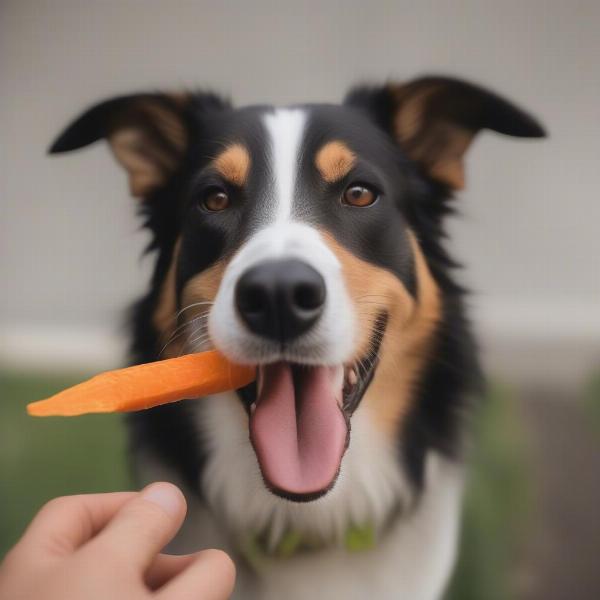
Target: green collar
{"type": "Point", "coordinates": [256, 551]}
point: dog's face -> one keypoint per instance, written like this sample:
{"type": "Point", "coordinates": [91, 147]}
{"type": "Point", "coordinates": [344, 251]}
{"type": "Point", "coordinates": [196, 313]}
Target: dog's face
{"type": "Point", "coordinates": [289, 242]}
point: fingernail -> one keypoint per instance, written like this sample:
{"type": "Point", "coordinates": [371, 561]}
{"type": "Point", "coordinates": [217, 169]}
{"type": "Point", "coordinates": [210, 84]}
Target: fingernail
{"type": "Point", "coordinates": [165, 495]}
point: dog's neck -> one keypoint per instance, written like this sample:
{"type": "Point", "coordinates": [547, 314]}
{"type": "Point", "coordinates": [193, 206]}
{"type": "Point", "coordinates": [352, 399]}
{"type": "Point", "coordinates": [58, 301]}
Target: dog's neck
{"type": "Point", "coordinates": [259, 550]}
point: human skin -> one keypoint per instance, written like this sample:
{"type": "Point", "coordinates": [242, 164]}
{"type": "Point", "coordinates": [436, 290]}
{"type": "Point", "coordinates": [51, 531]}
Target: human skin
{"type": "Point", "coordinates": [102, 546]}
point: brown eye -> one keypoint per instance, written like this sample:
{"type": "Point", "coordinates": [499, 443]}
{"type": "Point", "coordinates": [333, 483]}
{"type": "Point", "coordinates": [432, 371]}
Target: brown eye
{"type": "Point", "coordinates": [359, 195]}
{"type": "Point", "coordinates": [215, 200]}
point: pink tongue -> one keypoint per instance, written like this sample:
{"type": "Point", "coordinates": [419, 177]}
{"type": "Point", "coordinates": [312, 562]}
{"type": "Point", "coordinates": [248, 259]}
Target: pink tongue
{"type": "Point", "coordinates": [299, 435]}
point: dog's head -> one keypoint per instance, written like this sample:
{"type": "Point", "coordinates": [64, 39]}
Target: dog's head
{"type": "Point", "coordinates": [291, 239]}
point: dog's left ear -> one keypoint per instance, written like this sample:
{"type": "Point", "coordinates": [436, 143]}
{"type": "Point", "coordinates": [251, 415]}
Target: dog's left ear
{"type": "Point", "coordinates": [434, 119]}
{"type": "Point", "coordinates": [147, 133]}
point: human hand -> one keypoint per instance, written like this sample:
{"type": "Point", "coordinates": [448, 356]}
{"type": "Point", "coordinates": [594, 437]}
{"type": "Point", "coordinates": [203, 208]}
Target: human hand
{"type": "Point", "coordinates": [101, 546]}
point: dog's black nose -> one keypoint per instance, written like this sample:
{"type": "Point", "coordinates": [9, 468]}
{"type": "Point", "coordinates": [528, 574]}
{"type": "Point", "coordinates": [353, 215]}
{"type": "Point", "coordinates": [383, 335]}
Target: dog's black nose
{"type": "Point", "coordinates": [280, 299]}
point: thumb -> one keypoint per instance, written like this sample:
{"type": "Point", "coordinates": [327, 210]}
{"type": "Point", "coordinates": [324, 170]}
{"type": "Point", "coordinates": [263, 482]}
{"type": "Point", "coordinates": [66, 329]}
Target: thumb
{"type": "Point", "coordinates": [144, 525]}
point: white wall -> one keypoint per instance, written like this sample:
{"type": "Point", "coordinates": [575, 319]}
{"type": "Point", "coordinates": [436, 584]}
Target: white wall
{"type": "Point", "coordinates": [69, 245]}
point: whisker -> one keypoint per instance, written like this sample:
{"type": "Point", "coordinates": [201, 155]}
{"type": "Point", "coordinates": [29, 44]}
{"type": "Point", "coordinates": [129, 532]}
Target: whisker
{"type": "Point", "coordinates": [198, 335]}
{"type": "Point", "coordinates": [193, 305]}
{"type": "Point", "coordinates": [200, 338]}
{"type": "Point", "coordinates": [190, 322]}
{"type": "Point", "coordinates": [175, 316]}
{"type": "Point", "coordinates": [181, 329]}
{"type": "Point", "coordinates": [371, 303]}
{"type": "Point", "coordinates": [372, 296]}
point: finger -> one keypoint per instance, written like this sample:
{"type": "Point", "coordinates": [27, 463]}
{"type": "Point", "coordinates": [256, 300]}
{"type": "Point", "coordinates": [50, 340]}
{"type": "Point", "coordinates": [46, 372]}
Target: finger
{"type": "Point", "coordinates": [165, 567]}
{"type": "Point", "coordinates": [64, 524]}
{"type": "Point", "coordinates": [143, 526]}
{"type": "Point", "coordinates": [210, 577]}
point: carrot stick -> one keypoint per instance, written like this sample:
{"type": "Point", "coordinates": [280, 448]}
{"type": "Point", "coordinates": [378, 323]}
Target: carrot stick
{"type": "Point", "coordinates": [147, 385]}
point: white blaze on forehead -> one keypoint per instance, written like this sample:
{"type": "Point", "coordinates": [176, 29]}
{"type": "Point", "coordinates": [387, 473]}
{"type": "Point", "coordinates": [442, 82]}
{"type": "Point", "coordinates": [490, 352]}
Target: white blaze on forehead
{"type": "Point", "coordinates": [285, 127]}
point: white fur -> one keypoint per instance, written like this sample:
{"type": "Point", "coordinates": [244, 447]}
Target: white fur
{"type": "Point", "coordinates": [285, 127]}
{"type": "Point", "coordinates": [412, 562]}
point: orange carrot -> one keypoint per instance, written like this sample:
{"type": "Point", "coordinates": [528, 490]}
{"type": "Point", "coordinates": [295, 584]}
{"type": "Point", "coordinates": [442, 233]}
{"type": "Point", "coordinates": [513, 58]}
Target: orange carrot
{"type": "Point", "coordinates": [148, 385]}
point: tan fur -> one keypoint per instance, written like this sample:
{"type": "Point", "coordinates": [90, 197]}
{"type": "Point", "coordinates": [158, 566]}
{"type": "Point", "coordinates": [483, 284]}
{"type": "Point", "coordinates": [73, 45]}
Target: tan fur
{"type": "Point", "coordinates": [437, 144]}
{"type": "Point", "coordinates": [147, 161]}
{"type": "Point", "coordinates": [334, 161]}
{"type": "Point", "coordinates": [163, 318]}
{"type": "Point", "coordinates": [204, 286]}
{"type": "Point", "coordinates": [409, 332]}
{"type": "Point", "coordinates": [168, 122]}
{"type": "Point", "coordinates": [234, 164]}
{"type": "Point", "coordinates": [409, 119]}
{"type": "Point", "coordinates": [200, 288]}
{"type": "Point", "coordinates": [450, 166]}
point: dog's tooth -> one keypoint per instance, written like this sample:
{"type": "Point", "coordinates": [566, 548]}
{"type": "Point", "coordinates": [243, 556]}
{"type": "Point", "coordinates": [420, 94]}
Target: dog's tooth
{"type": "Point", "coordinates": [352, 378]}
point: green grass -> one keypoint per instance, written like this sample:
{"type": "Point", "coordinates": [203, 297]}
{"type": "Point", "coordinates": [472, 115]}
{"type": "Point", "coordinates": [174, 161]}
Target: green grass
{"type": "Point", "coordinates": [591, 399]}
{"type": "Point", "coordinates": [44, 458]}
{"type": "Point", "coordinates": [497, 503]}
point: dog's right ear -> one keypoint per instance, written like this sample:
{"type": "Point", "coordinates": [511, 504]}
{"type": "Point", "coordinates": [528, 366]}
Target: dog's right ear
{"type": "Point", "coordinates": [434, 119]}
{"type": "Point", "coordinates": [148, 134]}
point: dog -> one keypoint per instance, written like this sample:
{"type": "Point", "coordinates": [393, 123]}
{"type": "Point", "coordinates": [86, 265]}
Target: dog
{"type": "Point", "coordinates": [308, 241]}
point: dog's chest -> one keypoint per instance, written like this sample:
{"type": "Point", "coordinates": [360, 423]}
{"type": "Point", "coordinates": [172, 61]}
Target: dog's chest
{"type": "Point", "coordinates": [412, 558]}
{"type": "Point", "coordinates": [412, 561]}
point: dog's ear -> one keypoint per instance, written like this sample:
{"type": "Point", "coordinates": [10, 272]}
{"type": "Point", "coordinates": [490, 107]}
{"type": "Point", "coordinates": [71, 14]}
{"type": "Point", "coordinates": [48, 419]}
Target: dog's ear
{"type": "Point", "coordinates": [434, 119]}
{"type": "Point", "coordinates": [147, 133]}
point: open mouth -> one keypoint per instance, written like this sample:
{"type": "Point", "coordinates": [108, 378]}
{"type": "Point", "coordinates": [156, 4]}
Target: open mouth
{"type": "Point", "coordinates": [300, 419]}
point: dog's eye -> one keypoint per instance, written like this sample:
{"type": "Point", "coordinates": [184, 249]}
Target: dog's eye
{"type": "Point", "coordinates": [215, 200]}
{"type": "Point", "coordinates": [359, 195]}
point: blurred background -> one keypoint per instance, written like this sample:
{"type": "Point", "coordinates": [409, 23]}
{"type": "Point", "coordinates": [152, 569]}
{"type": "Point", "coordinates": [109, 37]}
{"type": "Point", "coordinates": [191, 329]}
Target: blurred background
{"type": "Point", "coordinates": [70, 245]}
